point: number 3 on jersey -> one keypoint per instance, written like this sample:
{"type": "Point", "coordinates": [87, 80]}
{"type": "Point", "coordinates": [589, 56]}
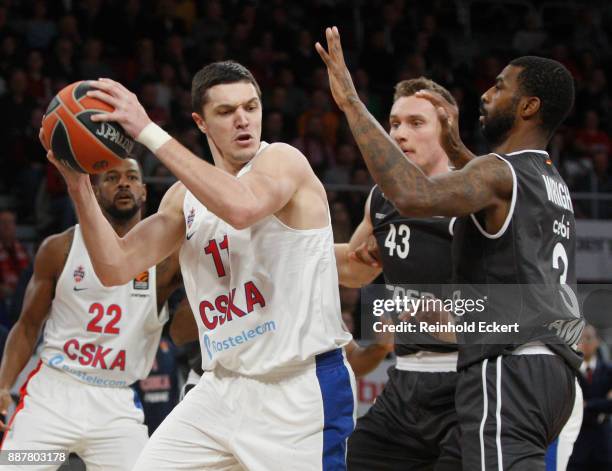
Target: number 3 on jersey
{"type": "Point", "coordinates": [398, 240]}
{"type": "Point", "coordinates": [567, 293]}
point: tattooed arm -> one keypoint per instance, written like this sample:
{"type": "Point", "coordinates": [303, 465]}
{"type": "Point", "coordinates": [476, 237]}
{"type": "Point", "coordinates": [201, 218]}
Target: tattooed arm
{"type": "Point", "coordinates": [483, 183]}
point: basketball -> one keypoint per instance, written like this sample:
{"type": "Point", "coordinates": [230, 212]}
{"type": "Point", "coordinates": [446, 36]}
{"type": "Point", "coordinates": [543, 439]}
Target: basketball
{"type": "Point", "coordinates": [77, 141]}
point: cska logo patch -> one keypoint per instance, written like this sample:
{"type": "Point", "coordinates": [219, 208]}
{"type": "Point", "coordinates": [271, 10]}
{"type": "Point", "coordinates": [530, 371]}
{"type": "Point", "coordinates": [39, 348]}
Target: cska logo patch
{"type": "Point", "coordinates": [142, 280]}
{"type": "Point", "coordinates": [79, 274]}
{"type": "Point", "coordinates": [190, 218]}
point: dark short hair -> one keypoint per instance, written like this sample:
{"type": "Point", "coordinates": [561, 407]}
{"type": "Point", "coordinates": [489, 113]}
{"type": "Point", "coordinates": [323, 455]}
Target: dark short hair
{"type": "Point", "coordinates": [552, 83]}
{"type": "Point", "coordinates": [96, 177]}
{"type": "Point", "coordinates": [407, 88]}
{"type": "Point", "coordinates": [218, 73]}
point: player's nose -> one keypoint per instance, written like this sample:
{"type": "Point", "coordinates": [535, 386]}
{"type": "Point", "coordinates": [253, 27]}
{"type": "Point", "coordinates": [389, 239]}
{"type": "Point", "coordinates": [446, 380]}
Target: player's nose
{"type": "Point", "coordinates": [124, 181]}
{"type": "Point", "coordinates": [242, 119]}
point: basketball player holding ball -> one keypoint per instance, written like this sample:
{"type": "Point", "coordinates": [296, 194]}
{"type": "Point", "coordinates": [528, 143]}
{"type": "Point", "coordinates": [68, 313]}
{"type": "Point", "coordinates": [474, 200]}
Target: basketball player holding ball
{"type": "Point", "coordinates": [98, 340]}
{"type": "Point", "coordinates": [257, 258]}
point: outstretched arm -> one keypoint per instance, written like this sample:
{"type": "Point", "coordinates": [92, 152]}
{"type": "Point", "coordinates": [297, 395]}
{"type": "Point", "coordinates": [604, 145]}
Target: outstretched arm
{"type": "Point", "coordinates": [482, 183]}
{"type": "Point", "coordinates": [36, 304]}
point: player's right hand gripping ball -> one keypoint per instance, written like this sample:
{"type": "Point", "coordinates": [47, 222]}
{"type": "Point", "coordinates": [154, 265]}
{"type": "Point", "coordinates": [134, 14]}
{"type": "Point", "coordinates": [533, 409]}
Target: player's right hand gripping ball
{"type": "Point", "coordinates": [78, 142]}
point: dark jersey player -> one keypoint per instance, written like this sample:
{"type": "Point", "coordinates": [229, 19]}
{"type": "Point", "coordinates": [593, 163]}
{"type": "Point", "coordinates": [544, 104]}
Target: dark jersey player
{"type": "Point", "coordinates": [514, 392]}
{"type": "Point", "coordinates": [410, 425]}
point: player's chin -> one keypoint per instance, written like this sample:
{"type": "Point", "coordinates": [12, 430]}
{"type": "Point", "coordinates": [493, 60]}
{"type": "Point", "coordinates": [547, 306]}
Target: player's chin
{"type": "Point", "coordinates": [246, 153]}
{"type": "Point", "coordinates": [124, 206]}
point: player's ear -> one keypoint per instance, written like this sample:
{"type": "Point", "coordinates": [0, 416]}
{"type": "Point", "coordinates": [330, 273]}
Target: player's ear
{"type": "Point", "coordinates": [530, 106]}
{"type": "Point", "coordinates": [199, 120]}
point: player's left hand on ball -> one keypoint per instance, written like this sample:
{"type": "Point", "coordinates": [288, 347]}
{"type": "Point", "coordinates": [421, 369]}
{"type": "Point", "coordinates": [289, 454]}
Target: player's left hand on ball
{"type": "Point", "coordinates": [129, 113]}
{"type": "Point", "coordinates": [340, 81]}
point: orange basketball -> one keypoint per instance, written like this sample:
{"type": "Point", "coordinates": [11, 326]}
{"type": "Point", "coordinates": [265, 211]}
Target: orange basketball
{"type": "Point", "coordinates": [78, 142]}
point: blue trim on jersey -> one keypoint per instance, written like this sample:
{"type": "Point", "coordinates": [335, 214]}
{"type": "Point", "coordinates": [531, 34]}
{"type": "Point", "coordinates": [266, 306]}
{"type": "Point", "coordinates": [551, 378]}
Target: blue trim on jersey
{"type": "Point", "coordinates": [338, 406]}
{"type": "Point", "coordinates": [551, 455]}
{"type": "Point", "coordinates": [137, 401]}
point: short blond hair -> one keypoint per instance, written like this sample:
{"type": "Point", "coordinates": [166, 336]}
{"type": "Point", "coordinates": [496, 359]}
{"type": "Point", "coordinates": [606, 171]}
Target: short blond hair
{"type": "Point", "coordinates": [407, 88]}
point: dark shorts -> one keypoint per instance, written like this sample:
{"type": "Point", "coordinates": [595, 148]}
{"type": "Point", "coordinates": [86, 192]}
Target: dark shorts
{"type": "Point", "coordinates": [510, 408]}
{"type": "Point", "coordinates": [411, 426]}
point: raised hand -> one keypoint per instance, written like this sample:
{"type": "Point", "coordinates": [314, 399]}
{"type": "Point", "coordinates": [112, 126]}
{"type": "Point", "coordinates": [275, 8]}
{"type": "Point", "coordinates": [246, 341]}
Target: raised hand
{"type": "Point", "coordinates": [450, 138]}
{"type": "Point", "coordinates": [129, 113]}
{"type": "Point", "coordinates": [340, 81]}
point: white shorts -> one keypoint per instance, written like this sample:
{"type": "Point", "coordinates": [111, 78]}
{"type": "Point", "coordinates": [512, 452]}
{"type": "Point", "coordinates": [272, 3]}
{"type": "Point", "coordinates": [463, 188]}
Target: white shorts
{"type": "Point", "coordinates": [104, 426]}
{"type": "Point", "coordinates": [559, 451]}
{"type": "Point", "coordinates": [298, 421]}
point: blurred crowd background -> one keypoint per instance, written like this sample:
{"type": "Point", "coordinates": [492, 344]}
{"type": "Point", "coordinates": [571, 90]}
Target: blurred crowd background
{"type": "Point", "coordinates": [153, 47]}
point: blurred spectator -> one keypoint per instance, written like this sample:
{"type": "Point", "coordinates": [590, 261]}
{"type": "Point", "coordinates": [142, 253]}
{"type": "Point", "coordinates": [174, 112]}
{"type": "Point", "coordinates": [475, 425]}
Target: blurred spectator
{"type": "Point", "coordinates": [594, 95]}
{"type": "Point", "coordinates": [295, 99]}
{"type": "Point", "coordinates": [39, 86]}
{"type": "Point", "coordinates": [164, 23]}
{"type": "Point", "coordinates": [378, 59]}
{"type": "Point", "coordinates": [211, 27]}
{"type": "Point", "coordinates": [13, 256]}
{"type": "Point", "coordinates": [590, 138]}
{"type": "Point", "coordinates": [17, 108]}
{"type": "Point", "coordinates": [175, 56]}
{"type": "Point", "coordinates": [313, 144]}
{"type": "Point", "coordinates": [92, 66]}
{"type": "Point", "coordinates": [341, 222]}
{"type": "Point", "coordinates": [148, 98]}
{"type": "Point", "coordinates": [273, 127]}
{"type": "Point", "coordinates": [68, 27]}
{"type": "Point", "coordinates": [531, 38]}
{"type": "Point", "coordinates": [593, 448]}
{"type": "Point", "coordinates": [8, 54]}
{"type": "Point", "coordinates": [340, 173]}
{"type": "Point", "coordinates": [304, 59]}
{"type": "Point", "coordinates": [54, 211]}
{"type": "Point", "coordinates": [166, 87]}
{"type": "Point", "coordinates": [370, 99]}
{"type": "Point", "coordinates": [320, 108]}
{"type": "Point", "coordinates": [40, 29]}
{"type": "Point", "coordinates": [62, 62]}
{"type": "Point", "coordinates": [157, 190]}
{"type": "Point", "coordinates": [588, 33]}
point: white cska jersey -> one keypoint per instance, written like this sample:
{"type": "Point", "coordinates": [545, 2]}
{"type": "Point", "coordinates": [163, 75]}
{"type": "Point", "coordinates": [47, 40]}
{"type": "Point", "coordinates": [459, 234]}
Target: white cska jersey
{"type": "Point", "coordinates": [265, 297]}
{"type": "Point", "coordinates": [103, 336]}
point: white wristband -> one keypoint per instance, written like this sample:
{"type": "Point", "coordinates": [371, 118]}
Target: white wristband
{"type": "Point", "coordinates": [153, 137]}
